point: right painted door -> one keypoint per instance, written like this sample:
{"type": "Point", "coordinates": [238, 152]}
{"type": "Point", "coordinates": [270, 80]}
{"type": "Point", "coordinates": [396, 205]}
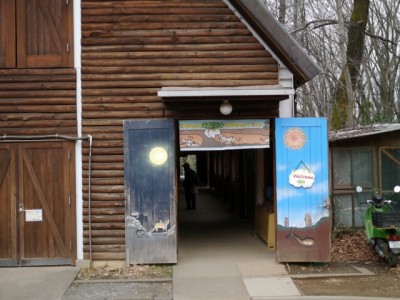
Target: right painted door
{"type": "Point", "coordinates": [302, 204]}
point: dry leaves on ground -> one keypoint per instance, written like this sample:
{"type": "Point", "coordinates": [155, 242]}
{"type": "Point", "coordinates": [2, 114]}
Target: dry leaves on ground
{"type": "Point", "coordinates": [352, 246]}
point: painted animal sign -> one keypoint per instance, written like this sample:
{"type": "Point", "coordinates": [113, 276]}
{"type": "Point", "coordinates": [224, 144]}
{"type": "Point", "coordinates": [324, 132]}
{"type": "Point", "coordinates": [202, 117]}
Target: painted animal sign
{"type": "Point", "coordinates": [204, 135]}
{"type": "Point", "coordinates": [303, 214]}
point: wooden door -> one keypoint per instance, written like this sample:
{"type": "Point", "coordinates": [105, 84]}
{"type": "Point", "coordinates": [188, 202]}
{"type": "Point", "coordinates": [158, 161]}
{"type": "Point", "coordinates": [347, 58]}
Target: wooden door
{"type": "Point", "coordinates": [44, 33]}
{"type": "Point", "coordinates": [41, 204]}
{"type": "Point", "coordinates": [303, 206]}
{"type": "Point", "coordinates": [36, 34]}
{"type": "Point", "coordinates": [150, 188]}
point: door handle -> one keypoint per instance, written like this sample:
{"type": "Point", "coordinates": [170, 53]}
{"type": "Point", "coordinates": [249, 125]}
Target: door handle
{"type": "Point", "coordinates": [21, 207]}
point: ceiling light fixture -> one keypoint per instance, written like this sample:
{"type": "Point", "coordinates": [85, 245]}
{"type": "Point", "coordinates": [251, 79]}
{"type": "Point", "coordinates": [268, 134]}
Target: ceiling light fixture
{"type": "Point", "coordinates": [225, 108]}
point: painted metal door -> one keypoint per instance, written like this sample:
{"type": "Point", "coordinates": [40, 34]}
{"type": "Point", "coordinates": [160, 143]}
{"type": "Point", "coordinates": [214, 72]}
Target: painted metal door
{"type": "Point", "coordinates": [150, 188]}
{"type": "Point", "coordinates": [37, 204]}
{"type": "Point", "coordinates": [303, 206]}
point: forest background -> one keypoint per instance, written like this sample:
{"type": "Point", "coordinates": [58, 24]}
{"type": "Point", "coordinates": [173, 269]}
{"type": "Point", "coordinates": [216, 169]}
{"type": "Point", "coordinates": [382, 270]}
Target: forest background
{"type": "Point", "coordinates": [355, 43]}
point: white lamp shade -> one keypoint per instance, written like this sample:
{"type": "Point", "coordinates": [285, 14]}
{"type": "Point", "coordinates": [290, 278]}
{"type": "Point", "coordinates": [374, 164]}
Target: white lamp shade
{"type": "Point", "coordinates": [225, 108]}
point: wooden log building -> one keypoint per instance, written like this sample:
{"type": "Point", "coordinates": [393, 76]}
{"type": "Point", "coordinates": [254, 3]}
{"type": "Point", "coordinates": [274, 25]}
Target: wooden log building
{"type": "Point", "coordinates": [72, 72]}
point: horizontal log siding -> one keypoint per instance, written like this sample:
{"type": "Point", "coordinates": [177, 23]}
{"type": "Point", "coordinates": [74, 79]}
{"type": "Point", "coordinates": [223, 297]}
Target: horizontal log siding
{"type": "Point", "coordinates": [130, 49]}
{"type": "Point", "coordinates": [37, 101]}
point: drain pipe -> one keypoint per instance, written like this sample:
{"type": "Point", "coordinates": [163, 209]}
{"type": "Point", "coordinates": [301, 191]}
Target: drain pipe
{"type": "Point", "coordinates": [57, 136]}
{"type": "Point", "coordinates": [44, 137]}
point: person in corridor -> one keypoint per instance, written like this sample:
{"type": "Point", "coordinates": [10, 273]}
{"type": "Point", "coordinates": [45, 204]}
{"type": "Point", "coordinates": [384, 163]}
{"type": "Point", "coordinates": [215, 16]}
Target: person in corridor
{"type": "Point", "coordinates": [189, 184]}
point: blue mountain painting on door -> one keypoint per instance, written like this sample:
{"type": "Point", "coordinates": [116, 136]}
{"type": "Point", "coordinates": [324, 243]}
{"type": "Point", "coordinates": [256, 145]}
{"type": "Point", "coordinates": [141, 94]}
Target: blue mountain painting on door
{"type": "Point", "coordinates": [303, 207]}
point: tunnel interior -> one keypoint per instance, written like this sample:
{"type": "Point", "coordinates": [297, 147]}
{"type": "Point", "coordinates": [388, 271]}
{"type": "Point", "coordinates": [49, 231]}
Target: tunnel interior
{"type": "Point", "coordinates": [241, 181]}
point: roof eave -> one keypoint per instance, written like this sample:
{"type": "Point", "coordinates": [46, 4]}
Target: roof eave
{"type": "Point", "coordinates": [278, 39]}
{"type": "Point", "coordinates": [362, 131]}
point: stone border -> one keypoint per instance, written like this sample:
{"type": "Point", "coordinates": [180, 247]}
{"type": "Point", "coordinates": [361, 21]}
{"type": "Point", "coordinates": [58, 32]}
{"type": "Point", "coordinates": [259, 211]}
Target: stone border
{"type": "Point", "coordinates": [362, 272]}
{"type": "Point", "coordinates": [138, 280]}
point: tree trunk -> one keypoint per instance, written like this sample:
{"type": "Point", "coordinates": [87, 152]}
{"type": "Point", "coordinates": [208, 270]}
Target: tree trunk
{"type": "Point", "coordinates": [343, 110]}
{"type": "Point", "coordinates": [282, 11]}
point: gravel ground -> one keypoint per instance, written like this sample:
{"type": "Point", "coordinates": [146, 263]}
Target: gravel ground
{"type": "Point", "coordinates": [384, 283]}
{"type": "Point", "coordinates": [119, 290]}
{"type": "Point", "coordinates": [349, 249]}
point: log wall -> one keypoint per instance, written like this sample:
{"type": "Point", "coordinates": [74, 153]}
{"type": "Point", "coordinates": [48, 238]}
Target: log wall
{"type": "Point", "coordinates": [130, 50]}
{"type": "Point", "coordinates": [37, 101]}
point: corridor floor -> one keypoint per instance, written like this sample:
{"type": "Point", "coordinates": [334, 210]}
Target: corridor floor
{"type": "Point", "coordinates": [219, 256]}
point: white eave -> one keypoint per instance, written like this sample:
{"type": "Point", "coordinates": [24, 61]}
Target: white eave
{"type": "Point", "coordinates": [175, 92]}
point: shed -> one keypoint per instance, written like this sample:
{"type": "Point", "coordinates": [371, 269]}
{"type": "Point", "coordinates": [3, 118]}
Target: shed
{"type": "Point", "coordinates": [366, 156]}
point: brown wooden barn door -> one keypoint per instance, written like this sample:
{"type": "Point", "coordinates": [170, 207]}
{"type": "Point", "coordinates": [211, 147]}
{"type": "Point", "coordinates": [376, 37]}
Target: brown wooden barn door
{"type": "Point", "coordinates": [44, 35]}
{"type": "Point", "coordinates": [38, 189]}
{"type": "Point", "coordinates": [45, 203]}
{"type": "Point", "coordinates": [150, 188]}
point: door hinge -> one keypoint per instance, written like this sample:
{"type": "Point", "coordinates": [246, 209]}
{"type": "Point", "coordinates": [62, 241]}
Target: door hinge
{"type": "Point", "coordinates": [66, 2]}
{"type": "Point", "coordinates": [67, 47]}
{"type": "Point", "coordinates": [69, 155]}
{"type": "Point", "coordinates": [70, 246]}
{"type": "Point", "coordinates": [69, 200]}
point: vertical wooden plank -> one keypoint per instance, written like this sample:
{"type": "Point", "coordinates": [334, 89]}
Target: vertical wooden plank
{"type": "Point", "coordinates": [20, 203]}
{"type": "Point", "coordinates": [8, 249]}
{"type": "Point", "coordinates": [151, 193]}
{"type": "Point", "coordinates": [303, 206]}
{"type": "Point", "coordinates": [70, 205]}
{"type": "Point", "coordinates": [21, 34]}
{"type": "Point", "coordinates": [67, 34]}
{"type": "Point", "coordinates": [7, 34]}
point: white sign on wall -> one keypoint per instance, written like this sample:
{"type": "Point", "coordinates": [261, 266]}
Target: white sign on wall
{"type": "Point", "coordinates": [33, 215]}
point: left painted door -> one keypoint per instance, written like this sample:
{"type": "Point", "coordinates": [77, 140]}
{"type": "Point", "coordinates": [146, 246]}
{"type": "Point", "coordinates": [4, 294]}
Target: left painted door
{"type": "Point", "coordinates": [150, 189]}
{"type": "Point", "coordinates": [37, 204]}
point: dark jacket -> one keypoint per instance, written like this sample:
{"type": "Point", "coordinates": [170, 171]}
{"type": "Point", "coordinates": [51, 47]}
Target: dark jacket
{"type": "Point", "coordinates": [190, 178]}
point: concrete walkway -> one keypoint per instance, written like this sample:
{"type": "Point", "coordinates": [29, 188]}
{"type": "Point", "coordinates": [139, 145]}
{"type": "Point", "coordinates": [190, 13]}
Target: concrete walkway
{"type": "Point", "coordinates": [35, 283]}
{"type": "Point", "coordinates": [219, 257]}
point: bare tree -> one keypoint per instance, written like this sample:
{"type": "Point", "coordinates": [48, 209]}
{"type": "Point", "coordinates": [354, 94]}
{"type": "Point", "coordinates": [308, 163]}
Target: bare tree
{"type": "Point", "coordinates": [373, 68]}
{"type": "Point", "coordinates": [343, 108]}
{"type": "Point", "coordinates": [351, 62]}
{"type": "Point", "coordinates": [381, 74]}
{"type": "Point", "coordinates": [282, 11]}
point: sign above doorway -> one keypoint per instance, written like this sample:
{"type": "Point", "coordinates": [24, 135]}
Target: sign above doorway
{"type": "Point", "coordinates": [206, 135]}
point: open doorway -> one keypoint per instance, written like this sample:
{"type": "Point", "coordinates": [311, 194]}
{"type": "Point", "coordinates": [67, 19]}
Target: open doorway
{"type": "Point", "coordinates": [235, 189]}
